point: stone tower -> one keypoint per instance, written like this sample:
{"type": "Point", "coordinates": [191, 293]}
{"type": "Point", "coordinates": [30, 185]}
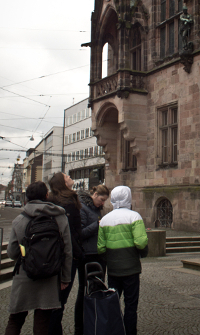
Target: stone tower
{"type": "Point", "coordinates": [146, 111]}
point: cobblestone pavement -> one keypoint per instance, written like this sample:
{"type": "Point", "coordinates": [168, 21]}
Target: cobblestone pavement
{"type": "Point", "coordinates": [169, 299]}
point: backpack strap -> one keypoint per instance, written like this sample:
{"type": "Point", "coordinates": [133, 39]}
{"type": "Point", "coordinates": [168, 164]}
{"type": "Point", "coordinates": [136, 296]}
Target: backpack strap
{"type": "Point", "coordinates": [25, 214]}
{"type": "Point", "coordinates": [17, 266]}
{"type": "Point", "coordinates": [19, 260]}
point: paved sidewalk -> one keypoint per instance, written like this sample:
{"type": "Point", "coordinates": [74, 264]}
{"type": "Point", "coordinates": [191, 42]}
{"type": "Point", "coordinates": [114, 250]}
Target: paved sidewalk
{"type": "Point", "coordinates": [169, 299]}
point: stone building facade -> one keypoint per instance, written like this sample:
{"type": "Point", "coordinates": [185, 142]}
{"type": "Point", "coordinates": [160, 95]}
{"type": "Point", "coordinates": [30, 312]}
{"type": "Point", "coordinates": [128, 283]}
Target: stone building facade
{"type": "Point", "coordinates": [146, 111]}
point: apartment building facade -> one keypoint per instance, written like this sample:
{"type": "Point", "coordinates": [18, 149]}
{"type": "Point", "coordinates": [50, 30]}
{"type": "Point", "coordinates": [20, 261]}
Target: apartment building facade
{"type": "Point", "coordinates": [52, 155]}
{"type": "Point", "coordinates": [83, 159]}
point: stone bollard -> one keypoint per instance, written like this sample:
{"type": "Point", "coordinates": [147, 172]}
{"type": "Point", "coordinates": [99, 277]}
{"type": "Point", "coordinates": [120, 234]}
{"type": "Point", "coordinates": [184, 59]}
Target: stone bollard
{"type": "Point", "coordinates": [156, 243]}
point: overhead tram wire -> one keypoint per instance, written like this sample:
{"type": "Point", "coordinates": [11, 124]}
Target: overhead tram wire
{"type": "Point", "coordinates": [41, 77]}
{"type": "Point", "coordinates": [29, 118]}
{"type": "Point", "coordinates": [2, 125]}
{"type": "Point", "coordinates": [45, 95]}
{"type": "Point", "coordinates": [22, 96]}
{"type": "Point", "coordinates": [43, 168]}
{"type": "Point", "coordinates": [3, 138]}
{"type": "Point", "coordinates": [45, 29]}
{"type": "Point", "coordinates": [48, 153]}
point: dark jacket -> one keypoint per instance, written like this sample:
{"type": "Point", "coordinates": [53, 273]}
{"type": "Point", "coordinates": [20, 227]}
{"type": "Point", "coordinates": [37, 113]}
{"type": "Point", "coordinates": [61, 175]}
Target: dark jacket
{"type": "Point", "coordinates": [90, 216]}
{"type": "Point", "coordinates": [74, 219]}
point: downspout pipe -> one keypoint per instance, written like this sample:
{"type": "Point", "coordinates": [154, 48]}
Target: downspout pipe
{"type": "Point", "coordinates": [62, 164]}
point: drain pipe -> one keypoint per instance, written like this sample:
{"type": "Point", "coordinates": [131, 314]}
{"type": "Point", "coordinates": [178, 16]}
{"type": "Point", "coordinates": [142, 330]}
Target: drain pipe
{"type": "Point", "coordinates": [63, 141]}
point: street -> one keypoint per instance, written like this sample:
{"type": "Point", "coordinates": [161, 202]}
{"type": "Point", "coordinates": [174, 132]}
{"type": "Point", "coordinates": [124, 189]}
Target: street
{"type": "Point", "coordinates": [7, 215]}
{"type": "Point", "coordinates": [169, 301]}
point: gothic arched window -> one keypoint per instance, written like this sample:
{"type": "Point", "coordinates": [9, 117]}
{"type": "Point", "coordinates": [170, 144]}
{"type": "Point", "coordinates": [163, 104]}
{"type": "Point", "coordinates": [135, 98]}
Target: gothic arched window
{"type": "Point", "coordinates": [170, 41]}
{"type": "Point", "coordinates": [165, 213]}
{"type": "Point", "coordinates": [135, 49]}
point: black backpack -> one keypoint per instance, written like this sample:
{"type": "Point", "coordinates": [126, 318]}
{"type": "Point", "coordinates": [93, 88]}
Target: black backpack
{"type": "Point", "coordinates": [44, 248]}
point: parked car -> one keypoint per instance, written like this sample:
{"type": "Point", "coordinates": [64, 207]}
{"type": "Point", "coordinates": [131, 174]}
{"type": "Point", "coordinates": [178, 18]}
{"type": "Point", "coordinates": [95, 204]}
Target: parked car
{"type": "Point", "coordinates": [2, 202]}
{"type": "Point", "coordinates": [17, 204]}
{"type": "Point", "coordinates": [8, 203]}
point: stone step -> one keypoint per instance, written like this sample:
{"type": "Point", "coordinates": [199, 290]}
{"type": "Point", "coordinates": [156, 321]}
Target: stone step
{"type": "Point", "coordinates": [4, 254]}
{"type": "Point", "coordinates": [4, 245]}
{"type": "Point", "coordinates": [182, 238]}
{"type": "Point", "coordinates": [6, 274]}
{"type": "Point", "coordinates": [193, 264]}
{"type": "Point", "coordinates": [182, 249]}
{"type": "Point", "coordinates": [182, 244]}
{"type": "Point", "coordinates": [7, 263]}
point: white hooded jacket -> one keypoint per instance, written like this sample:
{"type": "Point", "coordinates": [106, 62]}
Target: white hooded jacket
{"type": "Point", "coordinates": [122, 235]}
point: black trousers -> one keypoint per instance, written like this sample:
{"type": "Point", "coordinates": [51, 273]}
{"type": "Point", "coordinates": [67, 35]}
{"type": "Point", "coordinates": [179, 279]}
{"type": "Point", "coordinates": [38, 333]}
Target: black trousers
{"type": "Point", "coordinates": [55, 326]}
{"type": "Point", "coordinates": [81, 290]}
{"type": "Point", "coordinates": [40, 325]}
{"type": "Point", "coordinates": [130, 286]}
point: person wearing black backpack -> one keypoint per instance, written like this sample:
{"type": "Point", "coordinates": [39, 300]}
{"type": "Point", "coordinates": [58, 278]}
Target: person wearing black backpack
{"type": "Point", "coordinates": [38, 290]}
{"type": "Point", "coordinates": [63, 195]}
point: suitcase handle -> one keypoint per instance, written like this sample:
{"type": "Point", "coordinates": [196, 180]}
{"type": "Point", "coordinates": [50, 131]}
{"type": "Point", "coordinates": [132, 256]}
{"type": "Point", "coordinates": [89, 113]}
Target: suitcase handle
{"type": "Point", "coordinates": [93, 269]}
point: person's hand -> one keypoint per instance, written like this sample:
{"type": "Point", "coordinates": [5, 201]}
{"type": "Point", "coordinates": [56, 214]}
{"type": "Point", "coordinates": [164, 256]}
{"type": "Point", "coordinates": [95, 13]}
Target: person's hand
{"type": "Point", "coordinates": [64, 286]}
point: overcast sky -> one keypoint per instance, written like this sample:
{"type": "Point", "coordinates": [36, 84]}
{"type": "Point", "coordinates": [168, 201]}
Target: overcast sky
{"type": "Point", "coordinates": [43, 70]}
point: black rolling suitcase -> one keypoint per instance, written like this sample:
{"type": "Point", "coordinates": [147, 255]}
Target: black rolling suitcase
{"type": "Point", "coordinates": [102, 312]}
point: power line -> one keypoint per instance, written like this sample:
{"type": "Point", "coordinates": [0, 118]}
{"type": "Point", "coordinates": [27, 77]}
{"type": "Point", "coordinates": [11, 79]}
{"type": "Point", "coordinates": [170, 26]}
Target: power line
{"type": "Point", "coordinates": [2, 125]}
{"type": "Point", "coordinates": [43, 49]}
{"type": "Point", "coordinates": [45, 29]}
{"type": "Point", "coordinates": [49, 154]}
{"type": "Point", "coordinates": [71, 162]}
{"type": "Point", "coordinates": [44, 95]}
{"type": "Point", "coordinates": [3, 138]}
{"type": "Point", "coordinates": [22, 96]}
{"type": "Point", "coordinates": [42, 119]}
{"type": "Point", "coordinates": [48, 75]}
{"type": "Point", "coordinates": [30, 118]}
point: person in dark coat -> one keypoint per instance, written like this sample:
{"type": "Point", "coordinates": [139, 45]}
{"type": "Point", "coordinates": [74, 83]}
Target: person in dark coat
{"type": "Point", "coordinates": [63, 195]}
{"type": "Point", "coordinates": [41, 295]}
{"type": "Point", "coordinates": [92, 204]}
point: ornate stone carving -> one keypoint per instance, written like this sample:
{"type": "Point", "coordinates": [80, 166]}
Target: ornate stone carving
{"type": "Point", "coordinates": [187, 57]}
{"type": "Point", "coordinates": [137, 81]}
{"type": "Point", "coordinates": [105, 86]}
{"type": "Point", "coordinates": [186, 53]}
{"type": "Point", "coordinates": [126, 14]}
{"type": "Point", "coordinates": [186, 22]}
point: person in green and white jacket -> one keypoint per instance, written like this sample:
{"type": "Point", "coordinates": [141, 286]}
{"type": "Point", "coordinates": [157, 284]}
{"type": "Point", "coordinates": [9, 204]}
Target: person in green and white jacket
{"type": "Point", "coordinates": [122, 237]}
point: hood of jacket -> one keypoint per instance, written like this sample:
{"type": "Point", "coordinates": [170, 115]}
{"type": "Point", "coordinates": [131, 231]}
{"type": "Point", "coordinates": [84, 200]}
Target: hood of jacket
{"type": "Point", "coordinates": [37, 207]}
{"type": "Point", "coordinates": [85, 198]}
{"type": "Point", "coordinates": [121, 197]}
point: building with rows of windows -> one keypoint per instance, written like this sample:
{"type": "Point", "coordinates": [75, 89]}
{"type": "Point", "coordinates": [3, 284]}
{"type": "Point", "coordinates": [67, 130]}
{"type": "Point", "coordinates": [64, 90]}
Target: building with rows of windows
{"type": "Point", "coordinates": [146, 109]}
{"type": "Point", "coordinates": [83, 158]}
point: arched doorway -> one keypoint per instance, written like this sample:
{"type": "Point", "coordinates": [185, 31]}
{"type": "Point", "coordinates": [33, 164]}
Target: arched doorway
{"type": "Point", "coordinates": [164, 214]}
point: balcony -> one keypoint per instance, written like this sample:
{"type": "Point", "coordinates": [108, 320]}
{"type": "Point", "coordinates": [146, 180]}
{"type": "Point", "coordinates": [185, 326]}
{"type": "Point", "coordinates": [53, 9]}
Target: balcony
{"type": "Point", "coordinates": [121, 81]}
{"type": "Point", "coordinates": [105, 86]}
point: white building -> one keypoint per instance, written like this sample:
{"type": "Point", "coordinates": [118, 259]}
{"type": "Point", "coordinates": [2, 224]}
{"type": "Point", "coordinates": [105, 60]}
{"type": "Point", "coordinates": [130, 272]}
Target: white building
{"type": "Point", "coordinates": [52, 156]}
{"type": "Point", "coordinates": [83, 159]}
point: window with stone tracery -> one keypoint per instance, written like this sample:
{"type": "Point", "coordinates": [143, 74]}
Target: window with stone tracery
{"type": "Point", "coordinates": [164, 214]}
{"type": "Point", "coordinates": [135, 50]}
{"type": "Point", "coordinates": [170, 41]}
{"type": "Point", "coordinates": [168, 135]}
{"type": "Point", "coordinates": [129, 161]}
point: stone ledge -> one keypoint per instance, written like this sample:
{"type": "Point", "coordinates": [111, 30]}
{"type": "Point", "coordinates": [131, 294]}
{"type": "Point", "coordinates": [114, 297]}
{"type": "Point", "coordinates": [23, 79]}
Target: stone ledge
{"type": "Point", "coordinates": [193, 263]}
{"type": "Point", "coordinates": [156, 243]}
